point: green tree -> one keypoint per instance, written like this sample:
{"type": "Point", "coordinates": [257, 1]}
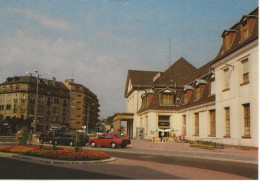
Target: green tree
{"type": "Point", "coordinates": [109, 120]}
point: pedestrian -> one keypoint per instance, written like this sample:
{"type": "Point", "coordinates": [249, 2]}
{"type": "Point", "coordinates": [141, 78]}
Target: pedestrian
{"type": "Point", "coordinates": [19, 136]}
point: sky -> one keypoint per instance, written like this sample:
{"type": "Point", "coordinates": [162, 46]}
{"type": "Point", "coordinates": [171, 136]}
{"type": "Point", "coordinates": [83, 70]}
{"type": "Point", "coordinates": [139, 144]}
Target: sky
{"type": "Point", "coordinates": [97, 42]}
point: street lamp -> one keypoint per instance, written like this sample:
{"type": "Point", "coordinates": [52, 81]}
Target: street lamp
{"type": "Point", "coordinates": [36, 101]}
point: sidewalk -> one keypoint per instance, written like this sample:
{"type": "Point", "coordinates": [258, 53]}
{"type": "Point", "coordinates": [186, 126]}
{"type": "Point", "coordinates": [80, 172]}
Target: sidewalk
{"type": "Point", "coordinates": [184, 149]}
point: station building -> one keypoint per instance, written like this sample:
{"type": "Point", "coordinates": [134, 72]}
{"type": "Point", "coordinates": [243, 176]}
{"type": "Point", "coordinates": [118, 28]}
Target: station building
{"type": "Point", "coordinates": [217, 102]}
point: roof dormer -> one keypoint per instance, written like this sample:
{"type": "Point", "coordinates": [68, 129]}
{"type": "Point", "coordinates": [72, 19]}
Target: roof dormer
{"type": "Point", "coordinates": [246, 26]}
{"type": "Point", "coordinates": [167, 97]}
{"type": "Point", "coordinates": [198, 82]}
{"type": "Point", "coordinates": [228, 37]}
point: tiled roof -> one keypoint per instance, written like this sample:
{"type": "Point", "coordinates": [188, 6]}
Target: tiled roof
{"type": "Point", "coordinates": [237, 44]}
{"type": "Point", "coordinates": [140, 79]}
{"type": "Point", "coordinates": [32, 80]}
{"type": "Point", "coordinates": [181, 72]}
{"type": "Point", "coordinates": [205, 98]}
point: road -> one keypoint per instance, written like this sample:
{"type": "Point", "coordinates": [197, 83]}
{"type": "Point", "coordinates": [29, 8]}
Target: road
{"type": "Point", "coordinates": [130, 165]}
{"type": "Point", "coordinates": [242, 169]}
{"type": "Point", "coordinates": [17, 169]}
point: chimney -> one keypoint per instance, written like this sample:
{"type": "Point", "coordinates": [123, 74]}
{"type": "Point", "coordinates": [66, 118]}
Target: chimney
{"type": "Point", "coordinates": [69, 80]}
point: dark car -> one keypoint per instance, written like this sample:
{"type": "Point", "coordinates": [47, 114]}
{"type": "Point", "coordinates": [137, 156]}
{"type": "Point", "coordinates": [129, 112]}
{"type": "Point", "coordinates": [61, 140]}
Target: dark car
{"type": "Point", "coordinates": [70, 139]}
{"type": "Point", "coordinates": [47, 137]}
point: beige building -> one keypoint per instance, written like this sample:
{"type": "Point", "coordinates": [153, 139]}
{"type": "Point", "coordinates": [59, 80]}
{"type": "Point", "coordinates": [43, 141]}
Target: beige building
{"type": "Point", "coordinates": [84, 107]}
{"type": "Point", "coordinates": [216, 102]}
{"type": "Point", "coordinates": [237, 94]}
{"type": "Point", "coordinates": [18, 95]}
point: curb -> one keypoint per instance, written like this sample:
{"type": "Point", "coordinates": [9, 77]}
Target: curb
{"type": "Point", "coordinates": [44, 160]}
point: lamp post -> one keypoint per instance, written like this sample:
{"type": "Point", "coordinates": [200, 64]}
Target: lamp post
{"type": "Point", "coordinates": [36, 101]}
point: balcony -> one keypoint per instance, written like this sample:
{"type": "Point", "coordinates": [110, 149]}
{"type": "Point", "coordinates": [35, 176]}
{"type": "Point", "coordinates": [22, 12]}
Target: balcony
{"type": "Point", "coordinates": [23, 100]}
{"type": "Point", "coordinates": [14, 110]}
{"type": "Point", "coordinates": [15, 100]}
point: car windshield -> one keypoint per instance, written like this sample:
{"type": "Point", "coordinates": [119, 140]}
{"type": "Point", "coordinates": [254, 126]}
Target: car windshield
{"type": "Point", "coordinates": [118, 136]}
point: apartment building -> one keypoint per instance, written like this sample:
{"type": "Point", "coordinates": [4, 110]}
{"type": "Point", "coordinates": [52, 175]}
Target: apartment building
{"type": "Point", "coordinates": [84, 107]}
{"type": "Point", "coordinates": [18, 100]}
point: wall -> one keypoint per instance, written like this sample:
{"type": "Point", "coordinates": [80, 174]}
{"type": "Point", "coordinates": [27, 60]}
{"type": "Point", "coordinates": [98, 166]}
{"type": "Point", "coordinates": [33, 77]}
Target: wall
{"type": "Point", "coordinates": [238, 95]}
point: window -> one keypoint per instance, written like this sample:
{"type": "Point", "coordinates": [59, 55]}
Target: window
{"type": "Point", "coordinates": [227, 121]}
{"type": "Point", "coordinates": [56, 100]}
{"type": "Point", "coordinates": [146, 125]}
{"type": "Point", "coordinates": [226, 78]}
{"type": "Point", "coordinates": [196, 124]}
{"type": "Point", "coordinates": [244, 30]}
{"type": "Point", "coordinates": [228, 36]}
{"type": "Point", "coordinates": [212, 123]}
{"type": "Point", "coordinates": [197, 93]}
{"type": "Point", "coordinates": [246, 120]}
{"type": "Point", "coordinates": [184, 125]}
{"type": "Point", "coordinates": [8, 106]}
{"type": "Point", "coordinates": [109, 137]}
{"type": "Point", "coordinates": [185, 98]}
{"type": "Point", "coordinates": [144, 101]}
{"type": "Point", "coordinates": [212, 87]}
{"type": "Point", "coordinates": [166, 99]}
{"type": "Point", "coordinates": [245, 71]}
{"type": "Point", "coordinates": [164, 122]}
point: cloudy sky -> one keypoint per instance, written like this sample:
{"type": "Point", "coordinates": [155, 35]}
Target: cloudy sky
{"type": "Point", "coordinates": [97, 42]}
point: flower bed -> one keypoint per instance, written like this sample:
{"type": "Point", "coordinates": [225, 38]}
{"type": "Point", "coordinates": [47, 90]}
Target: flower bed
{"type": "Point", "coordinates": [60, 153]}
{"type": "Point", "coordinates": [197, 145]}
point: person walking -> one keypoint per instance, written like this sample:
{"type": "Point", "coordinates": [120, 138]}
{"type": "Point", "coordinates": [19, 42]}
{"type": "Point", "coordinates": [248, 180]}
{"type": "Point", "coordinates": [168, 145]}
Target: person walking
{"type": "Point", "coordinates": [19, 136]}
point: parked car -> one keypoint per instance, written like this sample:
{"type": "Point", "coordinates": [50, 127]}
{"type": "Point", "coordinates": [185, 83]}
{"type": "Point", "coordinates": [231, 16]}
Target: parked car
{"type": "Point", "coordinates": [47, 137]}
{"type": "Point", "coordinates": [70, 139]}
{"type": "Point", "coordinates": [110, 140]}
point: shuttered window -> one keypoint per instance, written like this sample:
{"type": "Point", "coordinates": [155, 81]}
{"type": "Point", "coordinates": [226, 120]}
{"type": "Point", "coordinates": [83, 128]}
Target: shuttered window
{"type": "Point", "coordinates": [196, 124]}
{"type": "Point", "coordinates": [212, 123]}
{"type": "Point", "coordinates": [184, 125]}
{"type": "Point", "coordinates": [246, 119]}
{"type": "Point", "coordinates": [245, 71]}
{"type": "Point", "coordinates": [227, 121]}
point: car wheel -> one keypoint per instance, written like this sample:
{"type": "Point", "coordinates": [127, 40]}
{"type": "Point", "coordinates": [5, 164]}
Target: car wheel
{"type": "Point", "coordinates": [113, 145]}
{"type": "Point", "coordinates": [71, 143]}
{"type": "Point", "coordinates": [55, 142]}
{"type": "Point", "coordinates": [92, 144]}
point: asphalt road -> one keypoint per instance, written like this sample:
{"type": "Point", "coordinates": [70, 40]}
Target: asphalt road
{"type": "Point", "coordinates": [16, 169]}
{"type": "Point", "coordinates": [242, 169]}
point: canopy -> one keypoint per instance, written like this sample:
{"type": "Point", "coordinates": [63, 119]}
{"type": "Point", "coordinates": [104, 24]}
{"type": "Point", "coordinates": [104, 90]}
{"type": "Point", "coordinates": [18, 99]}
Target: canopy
{"type": "Point", "coordinates": [158, 129]}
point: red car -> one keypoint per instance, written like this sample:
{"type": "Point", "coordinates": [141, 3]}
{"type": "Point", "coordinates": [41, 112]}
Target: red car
{"type": "Point", "coordinates": [110, 140]}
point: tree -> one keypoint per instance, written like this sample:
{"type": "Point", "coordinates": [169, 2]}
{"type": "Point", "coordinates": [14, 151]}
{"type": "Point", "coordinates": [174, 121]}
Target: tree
{"type": "Point", "coordinates": [109, 120]}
